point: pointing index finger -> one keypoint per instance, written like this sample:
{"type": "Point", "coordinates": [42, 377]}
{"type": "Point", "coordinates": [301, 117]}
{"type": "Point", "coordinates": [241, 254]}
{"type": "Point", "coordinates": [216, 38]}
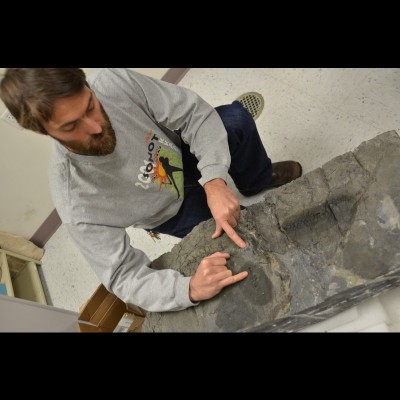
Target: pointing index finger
{"type": "Point", "coordinates": [230, 280]}
{"type": "Point", "coordinates": [233, 235]}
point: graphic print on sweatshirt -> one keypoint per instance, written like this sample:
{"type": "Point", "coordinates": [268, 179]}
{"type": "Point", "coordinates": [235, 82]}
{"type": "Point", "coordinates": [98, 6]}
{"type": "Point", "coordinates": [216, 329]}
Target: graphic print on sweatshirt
{"type": "Point", "coordinates": [162, 166]}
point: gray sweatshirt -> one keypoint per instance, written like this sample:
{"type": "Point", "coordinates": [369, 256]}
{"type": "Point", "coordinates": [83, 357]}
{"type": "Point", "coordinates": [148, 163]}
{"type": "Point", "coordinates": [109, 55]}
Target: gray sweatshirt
{"type": "Point", "coordinates": [97, 197]}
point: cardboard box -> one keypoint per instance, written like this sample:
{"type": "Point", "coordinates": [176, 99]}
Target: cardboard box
{"type": "Point", "coordinates": [105, 312]}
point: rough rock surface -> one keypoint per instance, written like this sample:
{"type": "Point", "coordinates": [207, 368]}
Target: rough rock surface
{"type": "Point", "coordinates": [316, 246]}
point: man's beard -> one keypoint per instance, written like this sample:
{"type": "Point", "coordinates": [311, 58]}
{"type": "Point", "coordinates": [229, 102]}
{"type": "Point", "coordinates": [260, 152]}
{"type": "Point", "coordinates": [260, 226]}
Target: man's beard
{"type": "Point", "coordinates": [99, 144]}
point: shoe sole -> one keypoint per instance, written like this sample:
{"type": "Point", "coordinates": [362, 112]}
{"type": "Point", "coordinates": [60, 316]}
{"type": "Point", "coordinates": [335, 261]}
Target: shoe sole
{"type": "Point", "coordinates": [253, 102]}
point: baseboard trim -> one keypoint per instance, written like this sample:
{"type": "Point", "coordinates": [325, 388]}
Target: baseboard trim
{"type": "Point", "coordinates": [53, 221]}
{"type": "Point", "coordinates": [47, 229]}
{"type": "Point", "coordinates": [174, 75]}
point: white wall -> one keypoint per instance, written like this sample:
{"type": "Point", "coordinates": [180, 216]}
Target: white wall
{"type": "Point", "coordinates": [25, 200]}
{"type": "Point", "coordinates": [19, 315]}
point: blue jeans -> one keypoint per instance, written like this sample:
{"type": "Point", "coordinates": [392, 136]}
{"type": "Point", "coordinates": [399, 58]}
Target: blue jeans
{"type": "Point", "coordinates": [250, 169]}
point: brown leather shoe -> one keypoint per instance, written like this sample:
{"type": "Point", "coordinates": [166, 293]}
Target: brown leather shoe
{"type": "Point", "coordinates": [284, 172]}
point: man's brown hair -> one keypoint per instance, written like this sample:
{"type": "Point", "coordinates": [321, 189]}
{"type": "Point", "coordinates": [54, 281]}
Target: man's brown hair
{"type": "Point", "coordinates": [30, 93]}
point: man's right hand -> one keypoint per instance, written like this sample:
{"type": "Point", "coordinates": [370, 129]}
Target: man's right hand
{"type": "Point", "coordinates": [211, 277]}
{"type": "Point", "coordinates": [225, 208]}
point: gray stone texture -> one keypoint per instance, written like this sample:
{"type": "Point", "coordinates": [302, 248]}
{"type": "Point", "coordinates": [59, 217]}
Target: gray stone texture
{"type": "Point", "coordinates": [316, 246]}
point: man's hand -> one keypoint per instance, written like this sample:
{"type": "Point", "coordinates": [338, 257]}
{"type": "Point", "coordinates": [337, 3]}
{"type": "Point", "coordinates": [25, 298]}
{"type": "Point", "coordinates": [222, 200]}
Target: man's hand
{"type": "Point", "coordinates": [225, 209]}
{"type": "Point", "coordinates": [211, 276]}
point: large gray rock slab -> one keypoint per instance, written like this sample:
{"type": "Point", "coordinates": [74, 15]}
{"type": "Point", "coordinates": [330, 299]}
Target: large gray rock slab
{"type": "Point", "coordinates": [316, 246]}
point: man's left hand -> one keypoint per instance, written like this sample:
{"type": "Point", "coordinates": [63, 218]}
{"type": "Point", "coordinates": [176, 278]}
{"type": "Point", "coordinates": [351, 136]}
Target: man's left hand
{"type": "Point", "coordinates": [225, 208]}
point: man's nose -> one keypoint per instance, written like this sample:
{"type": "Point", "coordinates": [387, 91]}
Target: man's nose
{"type": "Point", "coordinates": [92, 126]}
